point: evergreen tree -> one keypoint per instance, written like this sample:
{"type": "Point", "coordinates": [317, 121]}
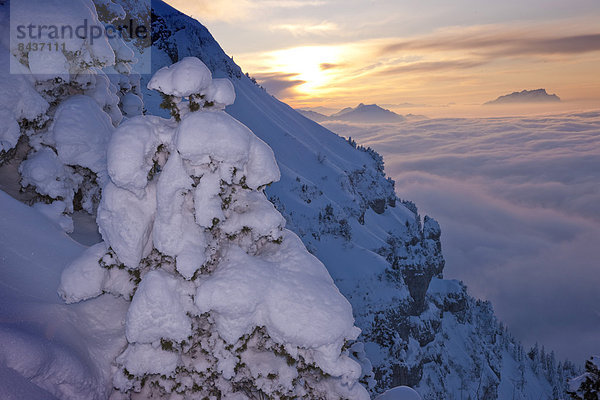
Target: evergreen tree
{"type": "Point", "coordinates": [587, 386]}
{"type": "Point", "coordinates": [59, 140]}
{"type": "Point", "coordinates": [225, 303]}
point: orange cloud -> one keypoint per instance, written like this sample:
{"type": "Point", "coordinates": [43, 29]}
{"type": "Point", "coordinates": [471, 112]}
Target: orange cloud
{"type": "Point", "coordinates": [501, 44]}
{"type": "Point", "coordinates": [467, 66]}
{"type": "Point", "coordinates": [431, 66]}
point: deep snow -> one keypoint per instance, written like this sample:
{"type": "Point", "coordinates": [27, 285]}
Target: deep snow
{"type": "Point", "coordinates": [50, 350]}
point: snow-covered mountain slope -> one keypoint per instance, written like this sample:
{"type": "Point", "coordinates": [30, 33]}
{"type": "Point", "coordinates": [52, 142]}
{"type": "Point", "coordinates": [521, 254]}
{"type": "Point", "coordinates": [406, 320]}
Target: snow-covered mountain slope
{"type": "Point", "coordinates": [49, 350]}
{"type": "Point", "coordinates": [419, 329]}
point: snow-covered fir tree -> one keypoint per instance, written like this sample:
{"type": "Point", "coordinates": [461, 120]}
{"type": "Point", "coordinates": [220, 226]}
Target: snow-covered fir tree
{"type": "Point", "coordinates": [71, 101]}
{"type": "Point", "coordinates": [225, 302]}
{"type": "Point", "coordinates": [587, 385]}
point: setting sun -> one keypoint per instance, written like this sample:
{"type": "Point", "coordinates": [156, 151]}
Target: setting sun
{"type": "Point", "coordinates": [313, 65]}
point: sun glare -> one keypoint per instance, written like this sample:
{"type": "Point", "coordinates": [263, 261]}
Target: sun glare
{"type": "Point", "coordinates": [316, 65]}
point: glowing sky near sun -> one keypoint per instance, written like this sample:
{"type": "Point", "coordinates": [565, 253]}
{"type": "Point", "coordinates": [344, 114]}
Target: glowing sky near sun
{"type": "Point", "coordinates": [432, 57]}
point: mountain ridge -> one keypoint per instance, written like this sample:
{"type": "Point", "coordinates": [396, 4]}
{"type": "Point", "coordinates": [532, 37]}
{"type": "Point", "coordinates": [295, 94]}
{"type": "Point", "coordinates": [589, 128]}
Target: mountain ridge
{"type": "Point", "coordinates": [362, 113]}
{"type": "Point", "coordinates": [525, 96]}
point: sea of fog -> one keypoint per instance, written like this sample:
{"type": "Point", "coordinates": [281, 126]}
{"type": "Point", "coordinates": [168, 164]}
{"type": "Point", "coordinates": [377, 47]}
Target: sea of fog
{"type": "Point", "coordinates": [518, 199]}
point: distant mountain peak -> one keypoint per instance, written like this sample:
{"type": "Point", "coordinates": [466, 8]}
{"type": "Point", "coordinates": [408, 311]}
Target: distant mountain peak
{"type": "Point", "coordinates": [526, 96]}
{"type": "Point", "coordinates": [314, 115]}
{"type": "Point", "coordinates": [362, 113]}
{"type": "Point", "coordinates": [366, 113]}
{"type": "Point", "coordinates": [344, 111]}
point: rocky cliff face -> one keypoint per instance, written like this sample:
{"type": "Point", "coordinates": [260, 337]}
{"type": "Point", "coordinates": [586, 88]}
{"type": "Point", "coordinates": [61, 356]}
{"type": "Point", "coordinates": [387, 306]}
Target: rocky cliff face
{"type": "Point", "coordinates": [418, 329]}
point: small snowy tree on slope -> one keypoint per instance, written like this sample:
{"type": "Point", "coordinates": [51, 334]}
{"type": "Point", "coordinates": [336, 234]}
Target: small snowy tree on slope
{"type": "Point", "coordinates": [67, 105]}
{"type": "Point", "coordinates": [587, 386]}
{"type": "Point", "coordinates": [225, 302]}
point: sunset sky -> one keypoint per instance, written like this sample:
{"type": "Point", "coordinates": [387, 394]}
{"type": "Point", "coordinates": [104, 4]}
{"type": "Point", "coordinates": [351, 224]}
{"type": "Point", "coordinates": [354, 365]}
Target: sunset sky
{"type": "Point", "coordinates": [431, 57]}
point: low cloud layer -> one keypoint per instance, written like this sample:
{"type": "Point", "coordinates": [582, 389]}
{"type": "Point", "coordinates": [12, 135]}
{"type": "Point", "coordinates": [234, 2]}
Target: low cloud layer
{"type": "Point", "coordinates": [519, 204]}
